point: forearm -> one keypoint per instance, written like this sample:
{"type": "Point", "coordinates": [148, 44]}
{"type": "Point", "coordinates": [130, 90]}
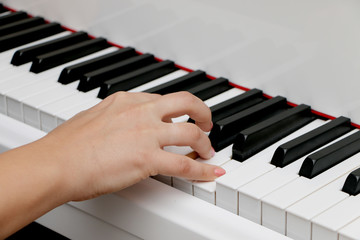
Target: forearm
{"type": "Point", "coordinates": [30, 185]}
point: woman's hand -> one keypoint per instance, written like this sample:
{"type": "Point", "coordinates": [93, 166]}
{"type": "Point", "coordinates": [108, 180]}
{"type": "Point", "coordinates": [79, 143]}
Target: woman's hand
{"type": "Point", "coordinates": [102, 150]}
{"type": "Point", "coordinates": [120, 142]}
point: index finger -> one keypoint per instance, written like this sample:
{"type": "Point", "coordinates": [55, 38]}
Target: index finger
{"type": "Point", "coordinates": [181, 103]}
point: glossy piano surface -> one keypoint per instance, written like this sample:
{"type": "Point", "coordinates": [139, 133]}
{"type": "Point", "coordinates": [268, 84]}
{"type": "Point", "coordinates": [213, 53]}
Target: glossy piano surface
{"type": "Point", "coordinates": [305, 51]}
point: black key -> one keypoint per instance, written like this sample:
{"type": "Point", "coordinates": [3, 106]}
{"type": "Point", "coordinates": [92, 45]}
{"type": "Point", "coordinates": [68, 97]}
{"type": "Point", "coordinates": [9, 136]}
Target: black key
{"type": "Point", "coordinates": [29, 35]}
{"type": "Point", "coordinates": [74, 72]}
{"type": "Point", "coordinates": [20, 25]}
{"type": "Point", "coordinates": [136, 78]}
{"type": "Point", "coordinates": [328, 157]}
{"type": "Point", "coordinates": [67, 54]}
{"type": "Point", "coordinates": [180, 84]}
{"type": "Point", "coordinates": [300, 146]}
{"type": "Point", "coordinates": [352, 183]}
{"type": "Point", "coordinates": [256, 138]}
{"type": "Point", "coordinates": [225, 130]}
{"type": "Point", "coordinates": [94, 79]}
{"type": "Point", "coordinates": [2, 8]}
{"type": "Point", "coordinates": [210, 89]}
{"type": "Point", "coordinates": [12, 17]}
{"type": "Point", "coordinates": [236, 104]}
{"type": "Point", "coordinates": [29, 54]}
{"type": "Point", "coordinates": [233, 105]}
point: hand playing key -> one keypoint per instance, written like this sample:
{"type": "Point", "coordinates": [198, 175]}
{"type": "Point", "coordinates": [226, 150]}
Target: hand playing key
{"type": "Point", "coordinates": [104, 149]}
{"type": "Point", "coordinates": [119, 142]}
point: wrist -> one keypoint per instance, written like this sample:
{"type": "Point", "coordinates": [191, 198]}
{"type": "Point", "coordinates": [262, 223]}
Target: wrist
{"type": "Point", "coordinates": [52, 167]}
{"type": "Point", "coordinates": [34, 185]}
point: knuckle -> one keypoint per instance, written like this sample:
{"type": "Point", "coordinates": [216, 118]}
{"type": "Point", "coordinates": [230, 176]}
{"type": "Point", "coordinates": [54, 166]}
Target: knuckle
{"type": "Point", "coordinates": [153, 172]}
{"type": "Point", "coordinates": [146, 156]}
{"type": "Point", "coordinates": [144, 162]}
{"type": "Point", "coordinates": [184, 166]}
{"type": "Point", "coordinates": [194, 132]}
{"type": "Point", "coordinates": [203, 174]}
{"type": "Point", "coordinates": [187, 97]}
{"type": "Point", "coordinates": [148, 107]}
{"type": "Point", "coordinates": [115, 97]}
{"type": "Point", "coordinates": [206, 173]}
{"type": "Point", "coordinates": [138, 160]}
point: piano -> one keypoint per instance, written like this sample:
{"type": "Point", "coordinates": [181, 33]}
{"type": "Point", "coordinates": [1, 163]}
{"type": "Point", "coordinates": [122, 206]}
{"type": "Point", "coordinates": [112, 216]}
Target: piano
{"type": "Point", "coordinates": [280, 57]}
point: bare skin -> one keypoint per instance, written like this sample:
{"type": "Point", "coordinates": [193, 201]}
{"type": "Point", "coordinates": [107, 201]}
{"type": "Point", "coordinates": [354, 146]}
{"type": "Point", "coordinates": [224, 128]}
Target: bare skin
{"type": "Point", "coordinates": [109, 147]}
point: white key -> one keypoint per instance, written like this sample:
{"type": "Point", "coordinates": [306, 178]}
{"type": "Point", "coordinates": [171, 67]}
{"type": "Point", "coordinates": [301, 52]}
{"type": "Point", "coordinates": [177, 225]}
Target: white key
{"type": "Point", "coordinates": [182, 150]}
{"type": "Point", "coordinates": [207, 190]}
{"type": "Point", "coordinates": [66, 115]}
{"type": "Point", "coordinates": [300, 214]}
{"type": "Point", "coordinates": [26, 78]}
{"type": "Point", "coordinates": [250, 201]}
{"type": "Point", "coordinates": [24, 86]}
{"type": "Point", "coordinates": [14, 99]}
{"type": "Point", "coordinates": [58, 93]}
{"type": "Point", "coordinates": [31, 105]}
{"type": "Point", "coordinates": [183, 184]}
{"type": "Point", "coordinates": [53, 73]}
{"type": "Point", "coordinates": [164, 179]}
{"type": "Point", "coordinates": [49, 111]}
{"type": "Point", "coordinates": [220, 158]}
{"type": "Point", "coordinates": [259, 164]}
{"type": "Point", "coordinates": [222, 97]}
{"type": "Point", "coordinates": [250, 194]}
{"type": "Point", "coordinates": [5, 13]}
{"type": "Point", "coordinates": [21, 80]}
{"type": "Point", "coordinates": [327, 224]}
{"type": "Point", "coordinates": [274, 205]}
{"type": "Point", "coordinates": [159, 81]}
{"type": "Point", "coordinates": [183, 118]}
{"type": "Point", "coordinates": [11, 72]}
{"type": "Point", "coordinates": [350, 231]}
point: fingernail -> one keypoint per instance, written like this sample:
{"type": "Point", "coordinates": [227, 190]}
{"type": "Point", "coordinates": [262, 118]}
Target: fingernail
{"type": "Point", "coordinates": [219, 172]}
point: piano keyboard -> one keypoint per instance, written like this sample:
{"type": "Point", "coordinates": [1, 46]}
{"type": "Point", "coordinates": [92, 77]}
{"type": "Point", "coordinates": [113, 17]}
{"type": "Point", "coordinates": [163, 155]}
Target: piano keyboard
{"type": "Point", "coordinates": [286, 166]}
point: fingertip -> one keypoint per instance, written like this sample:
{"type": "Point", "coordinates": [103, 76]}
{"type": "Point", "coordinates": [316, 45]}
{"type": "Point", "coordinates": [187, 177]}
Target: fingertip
{"type": "Point", "coordinates": [209, 155]}
{"type": "Point", "coordinates": [212, 152]}
{"type": "Point", "coordinates": [219, 172]}
{"type": "Point", "coordinates": [205, 126]}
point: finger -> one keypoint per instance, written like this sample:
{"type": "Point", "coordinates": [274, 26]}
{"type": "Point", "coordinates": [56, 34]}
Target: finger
{"type": "Point", "coordinates": [181, 103]}
{"type": "Point", "coordinates": [185, 134]}
{"type": "Point", "coordinates": [171, 164]}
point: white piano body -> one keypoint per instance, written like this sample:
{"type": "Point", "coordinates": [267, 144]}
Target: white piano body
{"type": "Point", "coordinates": [307, 51]}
